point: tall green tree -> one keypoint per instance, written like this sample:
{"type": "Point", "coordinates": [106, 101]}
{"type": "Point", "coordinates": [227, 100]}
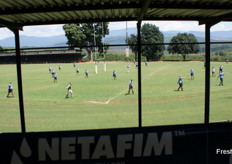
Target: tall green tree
{"type": "Point", "coordinates": [177, 45]}
{"type": "Point", "coordinates": [150, 34]}
{"type": "Point", "coordinates": [89, 36]}
{"type": "Point", "coordinates": [132, 40]}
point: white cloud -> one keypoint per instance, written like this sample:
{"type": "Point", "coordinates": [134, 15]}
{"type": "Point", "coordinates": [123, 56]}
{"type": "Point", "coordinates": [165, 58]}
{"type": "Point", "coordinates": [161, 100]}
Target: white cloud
{"type": "Point", "coordinates": [5, 33]}
{"type": "Point", "coordinates": [178, 25]}
{"type": "Point", "coordinates": [42, 31]}
{"type": "Point", "coordinates": [223, 26]}
{"type": "Point", "coordinates": [163, 25]}
{"type": "Point", "coordinates": [174, 25]}
{"type": "Point", "coordinates": [122, 25]}
{"type": "Point", "coordinates": [39, 31]}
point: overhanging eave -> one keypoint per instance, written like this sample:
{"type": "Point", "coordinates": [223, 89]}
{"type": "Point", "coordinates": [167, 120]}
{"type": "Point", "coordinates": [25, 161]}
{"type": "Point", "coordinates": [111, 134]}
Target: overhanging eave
{"type": "Point", "coordinates": [10, 25]}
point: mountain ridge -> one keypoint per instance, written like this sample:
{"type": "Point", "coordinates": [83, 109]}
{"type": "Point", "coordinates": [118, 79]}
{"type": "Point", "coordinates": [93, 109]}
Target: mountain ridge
{"type": "Point", "coordinates": [115, 37]}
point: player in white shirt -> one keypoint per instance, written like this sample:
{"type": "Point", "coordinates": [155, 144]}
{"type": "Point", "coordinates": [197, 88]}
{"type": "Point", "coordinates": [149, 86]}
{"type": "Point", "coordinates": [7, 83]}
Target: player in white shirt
{"type": "Point", "coordinates": [213, 71]}
{"type": "Point", "coordinates": [10, 90]}
{"type": "Point", "coordinates": [86, 73]}
{"type": "Point", "coordinates": [77, 71]}
{"type": "Point", "coordinates": [55, 76]}
{"type": "Point", "coordinates": [69, 92]}
{"type": "Point", "coordinates": [130, 87]}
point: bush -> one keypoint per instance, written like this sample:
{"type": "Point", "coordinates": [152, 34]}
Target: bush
{"type": "Point", "coordinates": [86, 59]}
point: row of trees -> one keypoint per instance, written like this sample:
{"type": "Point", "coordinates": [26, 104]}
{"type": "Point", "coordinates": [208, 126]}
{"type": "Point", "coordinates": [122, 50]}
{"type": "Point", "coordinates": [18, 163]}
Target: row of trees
{"type": "Point", "coordinates": [153, 47]}
{"type": "Point", "coordinates": [90, 36]}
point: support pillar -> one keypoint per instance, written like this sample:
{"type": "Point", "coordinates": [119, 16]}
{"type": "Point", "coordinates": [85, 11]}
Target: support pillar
{"type": "Point", "coordinates": [139, 74]}
{"type": "Point", "coordinates": [207, 73]}
{"type": "Point", "coordinates": [19, 77]}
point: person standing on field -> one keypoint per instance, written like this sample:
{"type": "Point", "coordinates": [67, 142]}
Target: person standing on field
{"type": "Point", "coordinates": [10, 90]}
{"type": "Point", "coordinates": [130, 87]}
{"type": "Point", "coordinates": [86, 73]}
{"type": "Point", "coordinates": [192, 74]}
{"type": "Point", "coordinates": [221, 68]}
{"type": "Point", "coordinates": [221, 75]}
{"type": "Point", "coordinates": [69, 92]}
{"type": "Point", "coordinates": [180, 82]}
{"type": "Point", "coordinates": [77, 71]}
{"type": "Point", "coordinates": [53, 73]}
{"type": "Point", "coordinates": [213, 72]}
{"type": "Point", "coordinates": [55, 76]}
{"type": "Point", "coordinates": [145, 63]}
{"type": "Point", "coordinates": [114, 75]}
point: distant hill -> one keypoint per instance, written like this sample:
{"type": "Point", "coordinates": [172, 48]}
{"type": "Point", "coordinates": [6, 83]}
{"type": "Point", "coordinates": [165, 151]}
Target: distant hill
{"type": "Point", "coordinates": [32, 41]}
{"type": "Point", "coordinates": [115, 37]}
{"type": "Point", "coordinates": [227, 35]}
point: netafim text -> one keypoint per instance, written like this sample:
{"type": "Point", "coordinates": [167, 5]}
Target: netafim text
{"type": "Point", "coordinates": [105, 146]}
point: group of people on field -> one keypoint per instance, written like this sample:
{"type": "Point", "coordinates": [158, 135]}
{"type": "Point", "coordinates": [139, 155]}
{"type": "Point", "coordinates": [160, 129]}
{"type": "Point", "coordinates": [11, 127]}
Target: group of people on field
{"type": "Point", "coordinates": [180, 79]}
{"type": "Point", "coordinates": [69, 87]}
{"type": "Point", "coordinates": [220, 76]}
{"type": "Point", "coordinates": [54, 73]}
{"type": "Point", "coordinates": [130, 88]}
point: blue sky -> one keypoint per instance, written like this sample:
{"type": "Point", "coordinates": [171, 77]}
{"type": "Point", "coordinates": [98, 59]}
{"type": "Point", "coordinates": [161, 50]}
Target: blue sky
{"type": "Point", "coordinates": [51, 30]}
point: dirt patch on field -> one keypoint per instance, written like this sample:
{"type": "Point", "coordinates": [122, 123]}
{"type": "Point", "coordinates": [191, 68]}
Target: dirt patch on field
{"type": "Point", "coordinates": [94, 102]}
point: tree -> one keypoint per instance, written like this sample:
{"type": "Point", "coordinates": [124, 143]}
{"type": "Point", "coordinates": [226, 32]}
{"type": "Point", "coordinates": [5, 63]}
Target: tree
{"type": "Point", "coordinates": [177, 45]}
{"type": "Point", "coordinates": [87, 36]}
{"type": "Point", "coordinates": [150, 34]}
{"type": "Point", "coordinates": [132, 40]}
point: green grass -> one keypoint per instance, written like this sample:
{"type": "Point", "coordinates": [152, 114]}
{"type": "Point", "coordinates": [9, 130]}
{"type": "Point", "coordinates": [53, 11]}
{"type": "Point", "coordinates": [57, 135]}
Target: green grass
{"type": "Point", "coordinates": [100, 102]}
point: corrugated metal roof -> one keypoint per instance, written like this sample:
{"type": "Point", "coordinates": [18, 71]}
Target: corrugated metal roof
{"type": "Point", "coordinates": [16, 13]}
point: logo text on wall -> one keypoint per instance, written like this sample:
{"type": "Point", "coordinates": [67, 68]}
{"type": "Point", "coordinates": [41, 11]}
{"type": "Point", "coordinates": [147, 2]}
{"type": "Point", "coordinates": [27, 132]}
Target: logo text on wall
{"type": "Point", "coordinates": [121, 146]}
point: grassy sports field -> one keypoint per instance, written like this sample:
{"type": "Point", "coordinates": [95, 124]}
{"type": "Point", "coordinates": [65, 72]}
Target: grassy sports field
{"type": "Point", "coordinates": [100, 102]}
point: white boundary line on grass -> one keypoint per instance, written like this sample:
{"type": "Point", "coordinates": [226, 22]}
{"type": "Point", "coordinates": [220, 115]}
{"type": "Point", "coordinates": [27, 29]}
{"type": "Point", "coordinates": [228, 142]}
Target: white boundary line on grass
{"type": "Point", "coordinates": [108, 101]}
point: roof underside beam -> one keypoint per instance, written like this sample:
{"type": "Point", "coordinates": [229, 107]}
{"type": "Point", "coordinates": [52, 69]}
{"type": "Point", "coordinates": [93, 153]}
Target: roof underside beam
{"type": "Point", "coordinates": [169, 18]}
{"type": "Point", "coordinates": [79, 21]}
{"type": "Point", "coordinates": [143, 11]}
{"type": "Point", "coordinates": [108, 19]}
{"type": "Point", "coordinates": [213, 21]}
{"type": "Point", "coordinates": [59, 8]}
{"type": "Point", "coordinates": [108, 6]}
{"type": "Point", "coordinates": [188, 5]}
{"type": "Point", "coordinates": [10, 25]}
{"type": "Point", "coordinates": [41, 13]}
